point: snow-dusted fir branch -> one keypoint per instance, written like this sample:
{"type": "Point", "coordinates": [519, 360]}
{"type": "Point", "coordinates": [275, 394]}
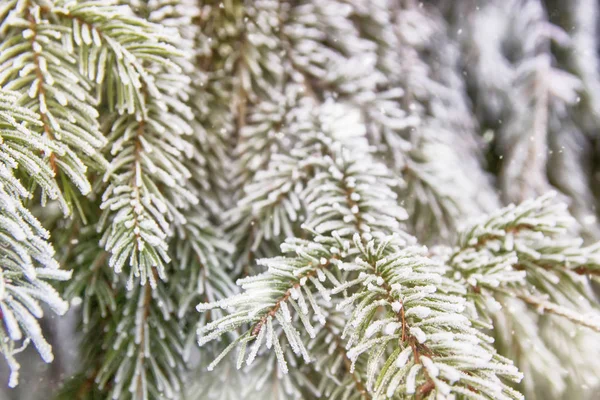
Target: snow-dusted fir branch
{"type": "Point", "coordinates": [401, 101]}
{"type": "Point", "coordinates": [51, 85]}
{"type": "Point", "coordinates": [115, 51]}
{"type": "Point", "coordinates": [143, 352]}
{"type": "Point", "coordinates": [23, 148]}
{"type": "Point", "coordinates": [534, 236]}
{"type": "Point", "coordinates": [147, 175]}
{"type": "Point", "coordinates": [147, 334]}
{"type": "Point", "coordinates": [27, 266]}
{"type": "Point", "coordinates": [195, 138]}
{"type": "Point", "coordinates": [76, 47]}
{"type": "Point", "coordinates": [266, 301]}
{"type": "Point", "coordinates": [271, 294]}
{"type": "Point", "coordinates": [339, 208]}
{"type": "Point", "coordinates": [524, 252]}
{"type": "Point", "coordinates": [94, 295]}
{"type": "Point", "coordinates": [146, 205]}
{"type": "Point", "coordinates": [436, 349]}
{"type": "Point", "coordinates": [27, 255]}
{"type": "Point", "coordinates": [93, 286]}
{"type": "Point", "coordinates": [271, 207]}
{"type": "Point", "coordinates": [133, 343]}
{"type": "Point", "coordinates": [512, 263]}
{"type": "Point", "coordinates": [146, 188]}
{"type": "Point", "coordinates": [340, 202]}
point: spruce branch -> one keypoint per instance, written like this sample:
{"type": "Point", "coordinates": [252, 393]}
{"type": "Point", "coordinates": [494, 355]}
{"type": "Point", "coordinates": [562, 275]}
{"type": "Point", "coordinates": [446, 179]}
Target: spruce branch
{"type": "Point", "coordinates": [299, 146]}
{"type": "Point", "coordinates": [151, 344]}
{"type": "Point", "coordinates": [428, 325]}
{"type": "Point", "coordinates": [52, 87]}
{"type": "Point", "coordinates": [147, 180]}
{"type": "Point", "coordinates": [534, 237]}
{"type": "Point", "coordinates": [287, 281]}
{"type": "Point", "coordinates": [28, 264]}
{"type": "Point", "coordinates": [522, 268]}
{"type": "Point", "coordinates": [346, 193]}
{"type": "Point", "coordinates": [22, 147]}
{"type": "Point", "coordinates": [116, 49]}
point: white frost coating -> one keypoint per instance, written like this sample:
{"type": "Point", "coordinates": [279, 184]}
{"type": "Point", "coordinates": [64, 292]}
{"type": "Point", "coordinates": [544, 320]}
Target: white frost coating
{"type": "Point", "coordinates": [396, 306]}
{"type": "Point", "coordinates": [270, 332]}
{"type": "Point", "coordinates": [372, 330]}
{"type": "Point", "coordinates": [279, 354]}
{"type": "Point", "coordinates": [419, 311]}
{"type": "Point", "coordinates": [321, 275]}
{"type": "Point", "coordinates": [13, 379]}
{"type": "Point", "coordinates": [34, 331]}
{"type": "Point", "coordinates": [352, 354]}
{"type": "Point", "coordinates": [403, 357]}
{"type": "Point", "coordinates": [411, 379]}
{"type": "Point", "coordinates": [256, 346]}
{"type": "Point", "coordinates": [432, 369]}
{"type": "Point", "coordinates": [11, 323]}
{"type": "Point", "coordinates": [294, 293]}
{"type": "Point", "coordinates": [286, 311]}
{"type": "Point", "coordinates": [354, 87]}
{"type": "Point", "coordinates": [419, 334]}
{"type": "Point", "coordinates": [451, 373]}
{"type": "Point", "coordinates": [391, 328]}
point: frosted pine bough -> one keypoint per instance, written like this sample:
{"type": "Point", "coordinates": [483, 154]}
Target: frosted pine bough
{"type": "Point", "coordinates": [282, 165]}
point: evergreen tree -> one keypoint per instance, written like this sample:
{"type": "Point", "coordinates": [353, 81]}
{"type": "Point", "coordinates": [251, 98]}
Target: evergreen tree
{"type": "Point", "coordinates": [340, 199]}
